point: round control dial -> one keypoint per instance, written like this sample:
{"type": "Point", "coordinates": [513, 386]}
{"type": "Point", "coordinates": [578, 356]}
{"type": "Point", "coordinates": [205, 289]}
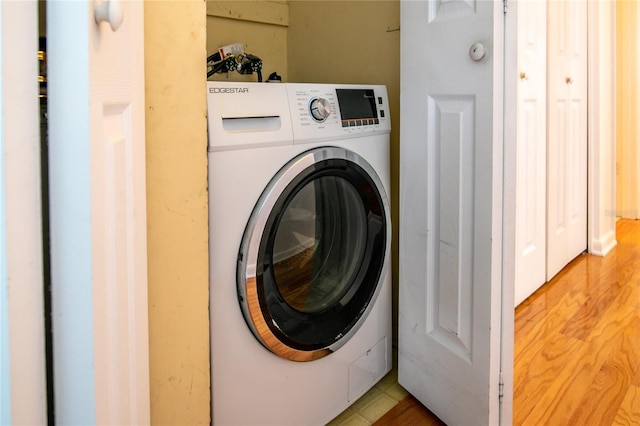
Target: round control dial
{"type": "Point", "coordinates": [319, 109]}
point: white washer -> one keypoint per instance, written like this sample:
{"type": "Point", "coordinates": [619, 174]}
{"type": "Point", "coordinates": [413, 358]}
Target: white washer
{"type": "Point", "coordinates": [300, 237]}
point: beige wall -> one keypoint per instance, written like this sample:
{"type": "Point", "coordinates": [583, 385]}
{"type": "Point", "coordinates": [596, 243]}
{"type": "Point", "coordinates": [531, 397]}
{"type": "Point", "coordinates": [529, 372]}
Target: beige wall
{"type": "Point", "coordinates": [261, 26]}
{"type": "Point", "coordinates": [175, 74]}
{"type": "Point", "coordinates": [628, 109]}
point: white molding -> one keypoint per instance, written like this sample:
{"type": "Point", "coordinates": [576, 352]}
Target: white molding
{"type": "Point", "coordinates": [601, 128]}
{"type": "Point", "coordinates": [509, 221]}
{"type": "Point", "coordinates": [603, 245]}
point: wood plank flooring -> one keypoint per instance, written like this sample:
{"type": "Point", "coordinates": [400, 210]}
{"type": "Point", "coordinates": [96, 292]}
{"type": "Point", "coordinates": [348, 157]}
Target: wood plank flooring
{"type": "Point", "coordinates": [577, 345]}
{"type": "Point", "coordinates": [409, 412]}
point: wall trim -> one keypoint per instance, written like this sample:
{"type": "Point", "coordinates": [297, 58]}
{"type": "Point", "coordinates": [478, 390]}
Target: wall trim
{"type": "Point", "coordinates": [601, 226]}
{"type": "Point", "coordinates": [603, 245]}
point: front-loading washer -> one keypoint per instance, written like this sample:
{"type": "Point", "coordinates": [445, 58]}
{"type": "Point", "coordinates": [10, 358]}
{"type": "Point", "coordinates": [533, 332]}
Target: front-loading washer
{"type": "Point", "coordinates": [300, 233]}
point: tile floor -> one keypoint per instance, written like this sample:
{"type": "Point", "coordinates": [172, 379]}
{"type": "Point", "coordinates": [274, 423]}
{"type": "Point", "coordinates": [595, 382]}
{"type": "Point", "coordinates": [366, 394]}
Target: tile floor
{"type": "Point", "coordinates": [373, 404]}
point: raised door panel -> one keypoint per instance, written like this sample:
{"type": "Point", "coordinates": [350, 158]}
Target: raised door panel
{"type": "Point", "coordinates": [450, 284]}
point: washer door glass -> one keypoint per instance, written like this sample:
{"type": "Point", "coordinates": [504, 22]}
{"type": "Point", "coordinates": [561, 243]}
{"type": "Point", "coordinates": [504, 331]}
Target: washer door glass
{"type": "Point", "coordinates": [319, 244]}
{"type": "Point", "coordinates": [313, 254]}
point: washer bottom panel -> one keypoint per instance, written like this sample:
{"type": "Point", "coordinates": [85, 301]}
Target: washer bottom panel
{"type": "Point", "coordinates": [252, 386]}
{"type": "Point", "coordinates": [368, 369]}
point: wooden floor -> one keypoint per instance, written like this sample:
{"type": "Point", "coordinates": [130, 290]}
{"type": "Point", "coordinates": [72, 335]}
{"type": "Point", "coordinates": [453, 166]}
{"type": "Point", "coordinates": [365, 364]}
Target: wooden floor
{"type": "Point", "coordinates": [577, 345]}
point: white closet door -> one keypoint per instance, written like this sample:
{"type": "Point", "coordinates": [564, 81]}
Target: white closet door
{"type": "Point", "coordinates": [532, 142]}
{"type": "Point", "coordinates": [98, 212]}
{"type": "Point", "coordinates": [23, 398]}
{"type": "Point", "coordinates": [454, 346]}
{"type": "Point", "coordinates": [567, 133]}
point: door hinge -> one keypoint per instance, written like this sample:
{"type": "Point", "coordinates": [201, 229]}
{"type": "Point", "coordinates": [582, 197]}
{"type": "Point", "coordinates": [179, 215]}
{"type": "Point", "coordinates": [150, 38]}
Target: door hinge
{"type": "Point", "coordinates": [501, 387]}
{"type": "Point", "coordinates": [504, 6]}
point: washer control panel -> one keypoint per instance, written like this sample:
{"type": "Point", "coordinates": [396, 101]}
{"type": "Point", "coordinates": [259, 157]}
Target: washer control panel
{"type": "Point", "coordinates": [247, 115]}
{"type": "Point", "coordinates": [321, 111]}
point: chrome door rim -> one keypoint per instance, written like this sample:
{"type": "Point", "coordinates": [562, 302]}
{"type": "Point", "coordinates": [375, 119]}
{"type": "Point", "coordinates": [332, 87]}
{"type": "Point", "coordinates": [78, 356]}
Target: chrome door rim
{"type": "Point", "coordinates": [249, 252]}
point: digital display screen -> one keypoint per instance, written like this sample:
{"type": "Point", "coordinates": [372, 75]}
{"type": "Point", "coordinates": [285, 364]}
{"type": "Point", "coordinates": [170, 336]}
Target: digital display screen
{"type": "Point", "coordinates": [357, 104]}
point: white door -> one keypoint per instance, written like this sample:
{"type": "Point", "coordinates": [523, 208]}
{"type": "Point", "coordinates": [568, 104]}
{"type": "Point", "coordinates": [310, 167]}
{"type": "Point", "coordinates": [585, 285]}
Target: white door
{"type": "Point", "coordinates": [566, 133]}
{"type": "Point", "coordinates": [531, 178]}
{"type": "Point", "coordinates": [22, 349]}
{"type": "Point", "coordinates": [451, 212]}
{"type": "Point", "coordinates": [98, 213]}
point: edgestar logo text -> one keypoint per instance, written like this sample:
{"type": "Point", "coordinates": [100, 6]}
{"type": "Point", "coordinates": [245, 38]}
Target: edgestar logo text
{"type": "Point", "coordinates": [228, 90]}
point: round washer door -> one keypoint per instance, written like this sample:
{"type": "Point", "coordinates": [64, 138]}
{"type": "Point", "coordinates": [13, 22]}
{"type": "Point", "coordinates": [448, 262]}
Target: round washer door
{"type": "Point", "coordinates": [314, 254]}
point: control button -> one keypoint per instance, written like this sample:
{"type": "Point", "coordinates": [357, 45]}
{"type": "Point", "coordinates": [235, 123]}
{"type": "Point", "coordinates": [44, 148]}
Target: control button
{"type": "Point", "coordinates": [381, 113]}
{"type": "Point", "coordinates": [320, 109]}
{"type": "Point", "coordinates": [380, 100]}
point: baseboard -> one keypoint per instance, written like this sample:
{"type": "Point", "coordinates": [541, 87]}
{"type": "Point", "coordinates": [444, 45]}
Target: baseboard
{"type": "Point", "coordinates": [603, 245]}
